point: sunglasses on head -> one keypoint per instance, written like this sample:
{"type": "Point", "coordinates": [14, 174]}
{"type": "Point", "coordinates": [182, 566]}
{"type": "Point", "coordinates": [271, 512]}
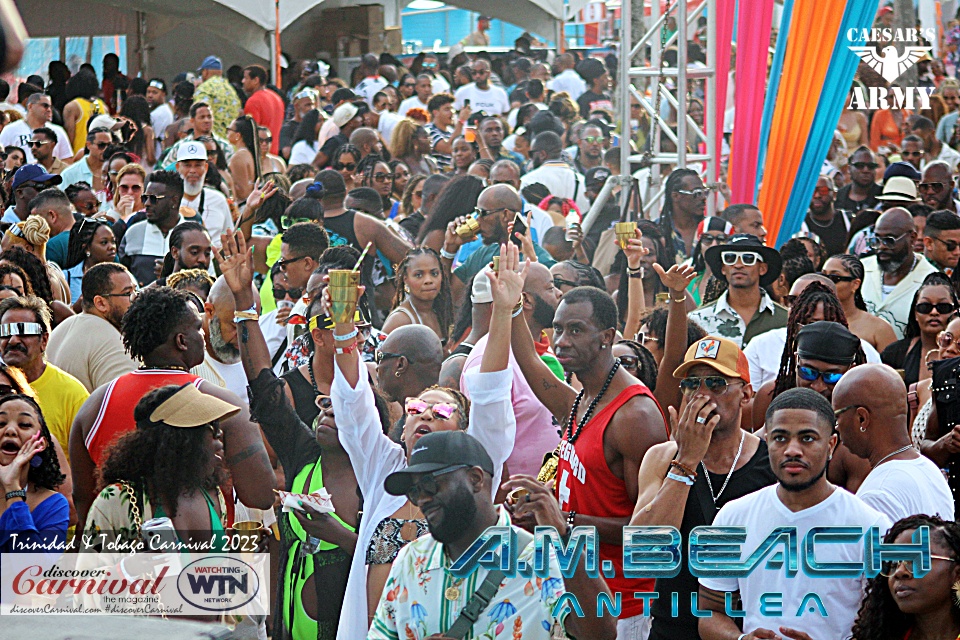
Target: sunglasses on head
{"type": "Point", "coordinates": [811, 374]}
{"type": "Point", "coordinates": [6, 390]}
{"type": "Point", "coordinates": [441, 410]}
{"type": "Point", "coordinates": [865, 165]}
{"type": "Point", "coordinates": [714, 384]}
{"type": "Point", "coordinates": [748, 258]}
{"type": "Point", "coordinates": [427, 484]}
{"type": "Point", "coordinates": [943, 308]}
{"type": "Point", "coordinates": [350, 166]}
{"type": "Point", "coordinates": [279, 293]}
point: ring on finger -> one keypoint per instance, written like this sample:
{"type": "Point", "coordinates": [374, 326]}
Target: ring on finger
{"type": "Point", "coordinates": [701, 420]}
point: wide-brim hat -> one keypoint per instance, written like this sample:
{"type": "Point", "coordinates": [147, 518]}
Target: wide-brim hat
{"type": "Point", "coordinates": [189, 407]}
{"type": "Point", "coordinates": [899, 189]}
{"type": "Point", "coordinates": [745, 243]}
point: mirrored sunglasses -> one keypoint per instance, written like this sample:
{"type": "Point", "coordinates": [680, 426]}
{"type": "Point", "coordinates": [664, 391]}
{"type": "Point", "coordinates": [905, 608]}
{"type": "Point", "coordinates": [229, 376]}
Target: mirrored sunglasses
{"type": "Point", "coordinates": [442, 410]}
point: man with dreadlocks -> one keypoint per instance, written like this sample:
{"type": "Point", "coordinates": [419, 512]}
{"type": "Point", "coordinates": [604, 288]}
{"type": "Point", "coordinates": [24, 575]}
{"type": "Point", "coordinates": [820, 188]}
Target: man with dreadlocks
{"type": "Point", "coordinates": [684, 203]}
{"type": "Point", "coordinates": [164, 329]}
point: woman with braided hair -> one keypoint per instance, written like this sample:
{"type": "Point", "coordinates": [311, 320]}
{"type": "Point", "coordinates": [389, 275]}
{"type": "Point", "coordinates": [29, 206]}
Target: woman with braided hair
{"type": "Point", "coordinates": [898, 605]}
{"type": "Point", "coordinates": [638, 361]}
{"type": "Point", "coordinates": [423, 294]}
{"type": "Point", "coordinates": [91, 242]}
{"type": "Point", "coordinates": [684, 201]}
{"type": "Point", "coordinates": [846, 272]}
{"type": "Point", "coordinates": [377, 174]}
{"type": "Point", "coordinates": [934, 303]}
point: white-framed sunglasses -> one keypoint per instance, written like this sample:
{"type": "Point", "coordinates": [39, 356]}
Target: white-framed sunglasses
{"type": "Point", "coordinates": [748, 258]}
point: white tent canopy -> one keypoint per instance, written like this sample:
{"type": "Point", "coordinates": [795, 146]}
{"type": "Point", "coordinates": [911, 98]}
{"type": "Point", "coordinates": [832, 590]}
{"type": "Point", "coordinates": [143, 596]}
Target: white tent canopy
{"type": "Point", "coordinates": [540, 17]}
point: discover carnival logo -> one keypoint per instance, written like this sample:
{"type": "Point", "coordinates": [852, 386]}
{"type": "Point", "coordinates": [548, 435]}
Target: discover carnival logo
{"type": "Point", "coordinates": [875, 47]}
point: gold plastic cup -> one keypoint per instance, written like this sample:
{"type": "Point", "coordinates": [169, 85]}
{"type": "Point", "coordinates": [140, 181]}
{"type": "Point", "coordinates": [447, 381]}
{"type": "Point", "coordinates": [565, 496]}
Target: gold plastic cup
{"type": "Point", "coordinates": [468, 229]}
{"type": "Point", "coordinates": [344, 292]}
{"type": "Point", "coordinates": [496, 264]}
{"type": "Point", "coordinates": [625, 231]}
{"type": "Point", "coordinates": [247, 525]}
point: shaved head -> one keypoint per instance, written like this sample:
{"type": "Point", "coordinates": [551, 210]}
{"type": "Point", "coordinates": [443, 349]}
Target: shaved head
{"type": "Point", "coordinates": [505, 170]}
{"type": "Point", "coordinates": [894, 222]}
{"type": "Point", "coordinates": [877, 401]}
{"type": "Point", "coordinates": [803, 281]}
{"type": "Point", "coordinates": [417, 342]}
{"type": "Point", "coordinates": [500, 196]}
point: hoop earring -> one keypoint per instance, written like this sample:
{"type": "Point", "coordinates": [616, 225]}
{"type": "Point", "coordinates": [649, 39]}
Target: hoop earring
{"type": "Point", "coordinates": [396, 374]}
{"type": "Point", "coordinates": [863, 429]}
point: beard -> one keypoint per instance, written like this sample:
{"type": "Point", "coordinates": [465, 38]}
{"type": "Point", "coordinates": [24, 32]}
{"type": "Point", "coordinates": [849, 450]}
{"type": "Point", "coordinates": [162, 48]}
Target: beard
{"type": "Point", "coordinates": [225, 352]}
{"type": "Point", "coordinates": [543, 313]}
{"type": "Point", "coordinates": [797, 487]}
{"type": "Point", "coordinates": [459, 514]}
{"type": "Point", "coordinates": [889, 265]}
{"type": "Point", "coordinates": [115, 317]}
{"type": "Point", "coordinates": [192, 189]}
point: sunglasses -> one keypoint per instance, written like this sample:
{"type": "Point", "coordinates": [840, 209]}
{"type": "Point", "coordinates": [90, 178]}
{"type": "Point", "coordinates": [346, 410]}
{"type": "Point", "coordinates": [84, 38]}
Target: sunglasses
{"type": "Point", "coordinates": [409, 85]}
{"type": "Point", "coordinates": [945, 340]}
{"type": "Point", "coordinates": [441, 410]}
{"type": "Point", "coordinates": [38, 143]}
{"type": "Point", "coordinates": [810, 375]}
{"type": "Point", "coordinates": [930, 187]}
{"type": "Point", "coordinates": [748, 258]}
{"type": "Point", "coordinates": [482, 213]}
{"type": "Point", "coordinates": [279, 293]}
{"type": "Point", "coordinates": [592, 139]}
{"type": "Point", "coordinates": [384, 177]}
{"type": "Point", "coordinates": [822, 191]}
{"type": "Point", "coordinates": [943, 308]}
{"type": "Point", "coordinates": [631, 362]}
{"type": "Point", "coordinates": [380, 356]}
{"type": "Point", "coordinates": [643, 337]}
{"type": "Point", "coordinates": [350, 166]}
{"type": "Point", "coordinates": [911, 154]}
{"type": "Point", "coordinates": [715, 384]}
{"type": "Point", "coordinates": [836, 278]}
{"type": "Point", "coordinates": [950, 245]}
{"type": "Point", "coordinates": [696, 193]}
{"type": "Point", "coordinates": [150, 198]}
{"type": "Point", "coordinates": [559, 283]}
{"type": "Point", "coordinates": [864, 165]}
{"type": "Point", "coordinates": [887, 241]}
{"type": "Point", "coordinates": [709, 239]}
{"type": "Point", "coordinates": [101, 145]}
{"type": "Point", "coordinates": [427, 485]}
{"type": "Point", "coordinates": [283, 264]}
{"type": "Point", "coordinates": [887, 569]}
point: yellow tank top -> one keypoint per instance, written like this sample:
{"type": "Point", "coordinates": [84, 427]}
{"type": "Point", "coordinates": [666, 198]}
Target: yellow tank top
{"type": "Point", "coordinates": [88, 110]}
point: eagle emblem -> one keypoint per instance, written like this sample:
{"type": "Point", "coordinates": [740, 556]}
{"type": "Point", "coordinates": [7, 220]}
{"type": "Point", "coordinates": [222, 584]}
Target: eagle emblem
{"type": "Point", "coordinates": [891, 65]}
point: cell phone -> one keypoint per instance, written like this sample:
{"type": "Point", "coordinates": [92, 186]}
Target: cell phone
{"type": "Point", "coordinates": [519, 226]}
{"type": "Point", "coordinates": [466, 102]}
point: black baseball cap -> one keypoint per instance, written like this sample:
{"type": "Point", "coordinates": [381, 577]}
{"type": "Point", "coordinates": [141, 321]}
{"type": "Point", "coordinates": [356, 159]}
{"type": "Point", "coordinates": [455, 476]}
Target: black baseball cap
{"type": "Point", "coordinates": [435, 452]}
{"type": "Point", "coordinates": [596, 177]}
{"type": "Point", "coordinates": [827, 341]}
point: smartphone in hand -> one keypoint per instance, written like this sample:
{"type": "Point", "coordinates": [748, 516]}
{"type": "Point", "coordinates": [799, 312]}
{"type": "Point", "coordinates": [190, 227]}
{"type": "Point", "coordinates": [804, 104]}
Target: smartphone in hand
{"type": "Point", "coordinates": [519, 226]}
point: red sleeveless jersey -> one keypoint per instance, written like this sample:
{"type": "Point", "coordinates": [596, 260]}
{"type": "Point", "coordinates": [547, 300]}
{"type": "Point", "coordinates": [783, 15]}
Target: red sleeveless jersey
{"type": "Point", "coordinates": [115, 417]}
{"type": "Point", "coordinates": [586, 485]}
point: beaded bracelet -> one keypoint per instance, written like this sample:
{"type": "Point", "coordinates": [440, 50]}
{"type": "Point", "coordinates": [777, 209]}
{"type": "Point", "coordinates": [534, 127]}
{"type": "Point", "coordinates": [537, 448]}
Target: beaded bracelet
{"type": "Point", "coordinates": [687, 471]}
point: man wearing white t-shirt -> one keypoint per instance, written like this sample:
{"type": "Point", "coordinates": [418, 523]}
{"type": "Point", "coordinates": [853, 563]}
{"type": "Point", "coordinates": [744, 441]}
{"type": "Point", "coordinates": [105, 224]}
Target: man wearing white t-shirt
{"type": "Point", "coordinates": [567, 80]}
{"type": "Point", "coordinates": [431, 66]}
{"type": "Point", "coordinates": [801, 440]}
{"type": "Point", "coordinates": [871, 402]}
{"type": "Point", "coordinates": [20, 133]}
{"type": "Point", "coordinates": [372, 80]}
{"type": "Point", "coordinates": [161, 115]}
{"type": "Point", "coordinates": [553, 173]}
{"type": "Point", "coordinates": [482, 95]}
{"type": "Point", "coordinates": [421, 98]}
{"type": "Point", "coordinates": [207, 206]}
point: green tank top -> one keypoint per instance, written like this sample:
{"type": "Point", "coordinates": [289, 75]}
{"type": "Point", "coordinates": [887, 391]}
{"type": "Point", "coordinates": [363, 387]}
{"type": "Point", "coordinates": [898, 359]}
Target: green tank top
{"type": "Point", "coordinates": [216, 526]}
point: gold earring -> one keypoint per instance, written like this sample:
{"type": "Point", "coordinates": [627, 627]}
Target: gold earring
{"type": "Point", "coordinates": [406, 288]}
{"type": "Point", "coordinates": [956, 593]}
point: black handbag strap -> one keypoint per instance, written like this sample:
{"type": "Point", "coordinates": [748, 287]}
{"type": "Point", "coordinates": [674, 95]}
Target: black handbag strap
{"type": "Point", "coordinates": [475, 606]}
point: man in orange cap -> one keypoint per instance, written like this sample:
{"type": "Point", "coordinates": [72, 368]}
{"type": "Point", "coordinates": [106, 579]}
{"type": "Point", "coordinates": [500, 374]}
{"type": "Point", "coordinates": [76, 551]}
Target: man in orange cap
{"type": "Point", "coordinates": [709, 462]}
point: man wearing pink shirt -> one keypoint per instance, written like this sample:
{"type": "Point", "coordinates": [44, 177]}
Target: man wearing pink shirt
{"type": "Point", "coordinates": [263, 105]}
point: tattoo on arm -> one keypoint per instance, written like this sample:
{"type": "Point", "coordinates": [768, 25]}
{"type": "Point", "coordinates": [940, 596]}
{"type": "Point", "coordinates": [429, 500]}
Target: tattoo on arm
{"type": "Point", "coordinates": [253, 450]}
{"type": "Point", "coordinates": [244, 335]}
{"type": "Point", "coordinates": [547, 385]}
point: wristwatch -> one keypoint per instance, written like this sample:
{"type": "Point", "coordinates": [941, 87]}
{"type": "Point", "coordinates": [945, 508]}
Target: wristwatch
{"type": "Point", "coordinates": [19, 493]}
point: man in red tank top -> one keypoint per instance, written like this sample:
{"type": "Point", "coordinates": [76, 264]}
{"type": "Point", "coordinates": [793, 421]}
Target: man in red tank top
{"type": "Point", "coordinates": [164, 329]}
{"type": "Point", "coordinates": [607, 429]}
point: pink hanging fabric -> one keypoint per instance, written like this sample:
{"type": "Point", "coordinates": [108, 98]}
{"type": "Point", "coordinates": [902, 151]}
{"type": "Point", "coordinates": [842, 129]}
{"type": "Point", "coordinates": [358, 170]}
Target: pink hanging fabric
{"type": "Point", "coordinates": [753, 42]}
{"type": "Point", "coordinates": [725, 11]}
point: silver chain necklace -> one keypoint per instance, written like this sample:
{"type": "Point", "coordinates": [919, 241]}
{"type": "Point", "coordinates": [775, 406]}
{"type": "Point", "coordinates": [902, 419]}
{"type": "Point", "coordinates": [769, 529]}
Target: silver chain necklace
{"type": "Point", "coordinates": [706, 474]}
{"type": "Point", "coordinates": [890, 455]}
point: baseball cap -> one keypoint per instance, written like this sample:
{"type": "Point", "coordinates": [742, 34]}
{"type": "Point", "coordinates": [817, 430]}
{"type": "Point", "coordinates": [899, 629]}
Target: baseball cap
{"type": "Point", "coordinates": [902, 169]}
{"type": "Point", "coordinates": [34, 173]}
{"type": "Point", "coordinates": [191, 151]}
{"type": "Point", "coordinates": [899, 189]}
{"type": "Point", "coordinates": [437, 451]}
{"type": "Point", "coordinates": [211, 62]}
{"type": "Point", "coordinates": [827, 341]}
{"type": "Point", "coordinates": [717, 353]}
{"type": "Point", "coordinates": [344, 113]}
{"type": "Point", "coordinates": [188, 408]}
{"type": "Point", "coordinates": [103, 121]}
{"type": "Point", "coordinates": [481, 292]}
{"type": "Point", "coordinates": [596, 177]}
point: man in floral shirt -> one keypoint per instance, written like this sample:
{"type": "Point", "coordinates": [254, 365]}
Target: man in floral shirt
{"type": "Point", "coordinates": [449, 479]}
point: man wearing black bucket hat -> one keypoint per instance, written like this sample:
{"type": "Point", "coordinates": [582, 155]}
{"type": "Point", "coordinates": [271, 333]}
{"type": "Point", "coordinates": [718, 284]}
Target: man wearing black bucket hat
{"type": "Point", "coordinates": [449, 478]}
{"type": "Point", "coordinates": [744, 310]}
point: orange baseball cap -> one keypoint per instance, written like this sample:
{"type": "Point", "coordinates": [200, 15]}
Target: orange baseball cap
{"type": "Point", "coordinates": [717, 353]}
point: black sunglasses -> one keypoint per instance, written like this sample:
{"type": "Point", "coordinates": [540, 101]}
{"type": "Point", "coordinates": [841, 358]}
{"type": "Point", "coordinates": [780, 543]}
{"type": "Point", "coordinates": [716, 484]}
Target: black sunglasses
{"type": "Point", "coordinates": [380, 356]}
{"type": "Point", "coordinates": [427, 484]}
{"type": "Point", "coordinates": [836, 278]}
{"type": "Point", "coordinates": [283, 264]}
{"type": "Point", "coordinates": [559, 283]}
{"type": "Point", "coordinates": [350, 166]}
{"type": "Point", "coordinates": [149, 198]}
{"type": "Point", "coordinates": [864, 165]}
{"type": "Point", "coordinates": [279, 293]}
{"type": "Point", "coordinates": [943, 308]}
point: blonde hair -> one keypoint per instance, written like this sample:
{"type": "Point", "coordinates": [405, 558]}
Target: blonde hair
{"type": "Point", "coordinates": [32, 234]}
{"type": "Point", "coordinates": [133, 167]}
{"type": "Point", "coordinates": [403, 135]}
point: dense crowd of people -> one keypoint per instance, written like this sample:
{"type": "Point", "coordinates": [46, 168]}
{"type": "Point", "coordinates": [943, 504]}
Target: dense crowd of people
{"type": "Point", "coordinates": [179, 339]}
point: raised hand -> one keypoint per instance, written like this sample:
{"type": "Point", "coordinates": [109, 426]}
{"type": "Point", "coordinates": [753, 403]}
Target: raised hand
{"type": "Point", "coordinates": [10, 474]}
{"type": "Point", "coordinates": [535, 499]}
{"type": "Point", "coordinates": [635, 251]}
{"type": "Point", "coordinates": [261, 193]}
{"type": "Point", "coordinates": [507, 286]}
{"type": "Point", "coordinates": [236, 265]}
{"type": "Point", "coordinates": [526, 241]}
{"type": "Point", "coordinates": [676, 278]}
{"type": "Point", "coordinates": [693, 428]}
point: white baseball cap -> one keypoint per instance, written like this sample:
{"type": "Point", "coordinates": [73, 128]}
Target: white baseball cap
{"type": "Point", "coordinates": [191, 150]}
{"type": "Point", "coordinates": [481, 292]}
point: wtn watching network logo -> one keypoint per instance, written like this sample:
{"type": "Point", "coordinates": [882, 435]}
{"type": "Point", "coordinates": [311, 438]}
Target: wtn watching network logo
{"type": "Point", "coordinates": [876, 50]}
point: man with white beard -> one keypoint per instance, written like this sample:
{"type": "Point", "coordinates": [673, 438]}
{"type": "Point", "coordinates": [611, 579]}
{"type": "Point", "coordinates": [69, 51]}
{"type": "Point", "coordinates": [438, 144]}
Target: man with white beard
{"type": "Point", "coordinates": [201, 204]}
{"type": "Point", "coordinates": [221, 358]}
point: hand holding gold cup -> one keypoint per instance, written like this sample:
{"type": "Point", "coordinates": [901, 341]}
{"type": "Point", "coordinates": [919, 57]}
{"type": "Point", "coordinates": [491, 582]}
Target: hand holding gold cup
{"type": "Point", "coordinates": [625, 231]}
